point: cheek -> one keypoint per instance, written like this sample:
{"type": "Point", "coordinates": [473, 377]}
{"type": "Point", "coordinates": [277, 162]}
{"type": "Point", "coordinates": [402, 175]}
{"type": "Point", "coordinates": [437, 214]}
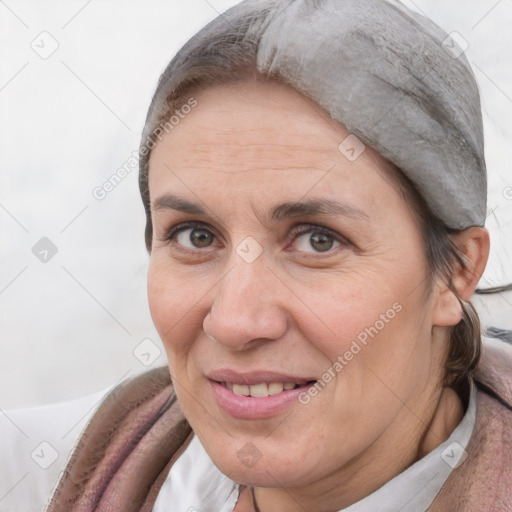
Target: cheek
{"type": "Point", "coordinates": [176, 308]}
{"type": "Point", "coordinates": [366, 326]}
{"type": "Point", "coordinates": [349, 310]}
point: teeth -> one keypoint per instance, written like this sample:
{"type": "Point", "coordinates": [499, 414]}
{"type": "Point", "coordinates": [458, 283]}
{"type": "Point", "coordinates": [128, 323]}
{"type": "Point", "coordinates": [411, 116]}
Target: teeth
{"type": "Point", "coordinates": [275, 387]}
{"type": "Point", "coordinates": [260, 390]}
{"type": "Point", "coordinates": [241, 389]}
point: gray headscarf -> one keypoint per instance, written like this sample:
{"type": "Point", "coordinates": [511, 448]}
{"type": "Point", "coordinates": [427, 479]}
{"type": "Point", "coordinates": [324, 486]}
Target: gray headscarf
{"type": "Point", "coordinates": [390, 76]}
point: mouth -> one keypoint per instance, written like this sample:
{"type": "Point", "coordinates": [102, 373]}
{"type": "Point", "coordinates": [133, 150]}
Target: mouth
{"type": "Point", "coordinates": [263, 389]}
{"type": "Point", "coordinates": [256, 395]}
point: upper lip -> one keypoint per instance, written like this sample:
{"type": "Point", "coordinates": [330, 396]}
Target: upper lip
{"type": "Point", "coordinates": [255, 377]}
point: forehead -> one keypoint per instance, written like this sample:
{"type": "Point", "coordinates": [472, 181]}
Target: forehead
{"type": "Point", "coordinates": [261, 136]}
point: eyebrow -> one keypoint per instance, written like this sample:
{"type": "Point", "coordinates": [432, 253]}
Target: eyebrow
{"type": "Point", "coordinates": [290, 209]}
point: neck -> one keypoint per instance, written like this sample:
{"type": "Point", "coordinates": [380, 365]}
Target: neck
{"type": "Point", "coordinates": [447, 416]}
{"type": "Point", "coordinates": [402, 444]}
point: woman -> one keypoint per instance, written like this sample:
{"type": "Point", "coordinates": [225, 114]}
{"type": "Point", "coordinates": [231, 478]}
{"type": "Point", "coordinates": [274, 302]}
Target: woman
{"type": "Point", "coordinates": [314, 183]}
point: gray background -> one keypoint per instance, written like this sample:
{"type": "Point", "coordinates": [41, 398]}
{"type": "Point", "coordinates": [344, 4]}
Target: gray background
{"type": "Point", "coordinates": [74, 324]}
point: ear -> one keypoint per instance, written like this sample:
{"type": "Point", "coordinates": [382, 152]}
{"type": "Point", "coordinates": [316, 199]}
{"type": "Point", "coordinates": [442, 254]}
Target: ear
{"type": "Point", "coordinates": [473, 244]}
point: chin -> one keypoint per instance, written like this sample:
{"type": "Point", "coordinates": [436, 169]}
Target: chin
{"type": "Point", "coordinates": [250, 463]}
{"type": "Point", "coordinates": [262, 474]}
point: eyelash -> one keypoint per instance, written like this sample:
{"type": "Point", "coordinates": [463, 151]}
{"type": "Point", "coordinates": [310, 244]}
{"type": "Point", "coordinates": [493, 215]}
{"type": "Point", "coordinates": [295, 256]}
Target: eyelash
{"type": "Point", "coordinates": [293, 235]}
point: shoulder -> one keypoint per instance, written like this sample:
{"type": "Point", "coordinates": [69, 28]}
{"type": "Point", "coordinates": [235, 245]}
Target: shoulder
{"type": "Point", "coordinates": [494, 370]}
{"type": "Point", "coordinates": [35, 443]}
{"type": "Point", "coordinates": [482, 481]}
{"type": "Point", "coordinates": [492, 436]}
{"type": "Point", "coordinates": [130, 443]}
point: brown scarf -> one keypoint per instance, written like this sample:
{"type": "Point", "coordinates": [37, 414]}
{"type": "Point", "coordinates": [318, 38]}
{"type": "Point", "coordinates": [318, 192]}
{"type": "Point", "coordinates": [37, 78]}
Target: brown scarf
{"type": "Point", "coordinates": [126, 451]}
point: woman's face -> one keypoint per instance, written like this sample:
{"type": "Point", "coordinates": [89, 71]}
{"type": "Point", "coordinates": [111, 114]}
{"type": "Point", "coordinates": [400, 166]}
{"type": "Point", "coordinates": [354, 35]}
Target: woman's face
{"type": "Point", "coordinates": [281, 258]}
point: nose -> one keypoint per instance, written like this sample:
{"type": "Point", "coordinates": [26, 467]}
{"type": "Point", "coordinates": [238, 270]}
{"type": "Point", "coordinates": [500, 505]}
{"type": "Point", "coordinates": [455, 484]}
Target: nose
{"type": "Point", "coordinates": [247, 307]}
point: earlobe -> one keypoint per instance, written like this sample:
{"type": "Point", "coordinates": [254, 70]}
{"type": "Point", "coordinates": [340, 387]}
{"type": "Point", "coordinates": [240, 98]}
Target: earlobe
{"type": "Point", "coordinates": [448, 310]}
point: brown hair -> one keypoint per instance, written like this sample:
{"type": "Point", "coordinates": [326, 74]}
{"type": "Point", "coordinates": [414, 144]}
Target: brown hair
{"type": "Point", "coordinates": [208, 64]}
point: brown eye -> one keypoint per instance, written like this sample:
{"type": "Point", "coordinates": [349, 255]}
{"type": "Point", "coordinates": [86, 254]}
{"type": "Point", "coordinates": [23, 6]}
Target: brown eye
{"type": "Point", "coordinates": [195, 238]}
{"type": "Point", "coordinates": [316, 239]}
{"type": "Point", "coordinates": [321, 242]}
{"type": "Point", "coordinates": [190, 235]}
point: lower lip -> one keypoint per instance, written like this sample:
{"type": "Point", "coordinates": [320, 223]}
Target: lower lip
{"type": "Point", "coordinates": [252, 408]}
